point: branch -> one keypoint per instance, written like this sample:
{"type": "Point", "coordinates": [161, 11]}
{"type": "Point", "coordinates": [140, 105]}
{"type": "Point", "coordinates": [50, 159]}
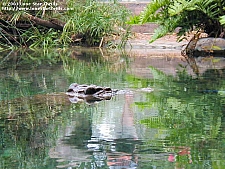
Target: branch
{"type": "Point", "coordinates": [45, 23]}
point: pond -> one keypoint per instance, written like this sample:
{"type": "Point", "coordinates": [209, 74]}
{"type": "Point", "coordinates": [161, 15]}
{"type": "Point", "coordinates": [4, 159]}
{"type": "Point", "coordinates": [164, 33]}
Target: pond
{"type": "Point", "coordinates": [179, 124]}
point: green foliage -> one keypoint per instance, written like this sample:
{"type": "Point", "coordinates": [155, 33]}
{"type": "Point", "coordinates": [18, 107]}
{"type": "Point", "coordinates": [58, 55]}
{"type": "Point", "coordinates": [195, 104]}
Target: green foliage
{"type": "Point", "coordinates": [169, 25]}
{"type": "Point", "coordinates": [222, 20]}
{"type": "Point", "coordinates": [91, 19]}
{"type": "Point", "coordinates": [188, 15]}
{"type": "Point", "coordinates": [152, 13]}
{"type": "Point", "coordinates": [209, 7]}
{"type": "Point", "coordinates": [45, 39]}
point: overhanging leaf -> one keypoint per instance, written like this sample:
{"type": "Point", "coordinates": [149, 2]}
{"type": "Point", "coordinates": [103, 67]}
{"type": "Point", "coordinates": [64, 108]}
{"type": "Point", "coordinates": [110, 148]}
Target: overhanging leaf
{"type": "Point", "coordinates": [222, 20]}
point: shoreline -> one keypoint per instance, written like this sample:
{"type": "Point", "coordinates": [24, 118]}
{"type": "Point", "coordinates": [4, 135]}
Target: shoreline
{"type": "Point", "coordinates": [166, 46]}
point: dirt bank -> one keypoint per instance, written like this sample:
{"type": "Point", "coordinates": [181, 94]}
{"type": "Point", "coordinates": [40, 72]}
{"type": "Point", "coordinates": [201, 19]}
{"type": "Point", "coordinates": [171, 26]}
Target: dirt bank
{"type": "Point", "coordinates": [166, 46]}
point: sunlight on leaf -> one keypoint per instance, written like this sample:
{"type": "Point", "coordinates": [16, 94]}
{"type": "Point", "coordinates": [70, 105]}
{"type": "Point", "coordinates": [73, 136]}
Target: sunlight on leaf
{"type": "Point", "coordinates": [216, 48]}
{"type": "Point", "coordinates": [222, 20]}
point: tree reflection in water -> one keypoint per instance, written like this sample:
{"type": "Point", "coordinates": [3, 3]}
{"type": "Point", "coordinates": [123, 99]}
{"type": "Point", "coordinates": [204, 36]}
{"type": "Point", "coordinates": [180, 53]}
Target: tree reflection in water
{"type": "Point", "coordinates": [101, 137]}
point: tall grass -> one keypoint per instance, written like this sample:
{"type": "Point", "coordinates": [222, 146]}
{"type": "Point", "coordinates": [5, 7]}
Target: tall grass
{"type": "Point", "coordinates": [94, 20]}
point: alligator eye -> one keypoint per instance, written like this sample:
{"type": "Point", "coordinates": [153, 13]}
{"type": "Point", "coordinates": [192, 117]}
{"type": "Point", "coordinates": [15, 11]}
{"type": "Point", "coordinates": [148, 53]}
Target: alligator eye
{"type": "Point", "coordinates": [90, 90]}
{"type": "Point", "coordinates": [98, 89]}
{"type": "Point", "coordinates": [108, 89]}
{"type": "Point", "coordinates": [70, 90]}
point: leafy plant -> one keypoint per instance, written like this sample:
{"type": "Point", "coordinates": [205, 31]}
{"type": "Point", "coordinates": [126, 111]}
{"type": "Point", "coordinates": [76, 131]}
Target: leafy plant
{"type": "Point", "coordinates": [44, 39]}
{"type": "Point", "coordinates": [93, 20]}
{"type": "Point", "coordinates": [187, 15]}
{"type": "Point", "coordinates": [222, 18]}
{"type": "Point", "coordinates": [90, 21]}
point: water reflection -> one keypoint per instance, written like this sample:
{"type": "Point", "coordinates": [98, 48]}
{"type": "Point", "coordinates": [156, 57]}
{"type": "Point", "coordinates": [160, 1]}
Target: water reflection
{"type": "Point", "coordinates": [178, 125]}
{"type": "Point", "coordinates": [111, 141]}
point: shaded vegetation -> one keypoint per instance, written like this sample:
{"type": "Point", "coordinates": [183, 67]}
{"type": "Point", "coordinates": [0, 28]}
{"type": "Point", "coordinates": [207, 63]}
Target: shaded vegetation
{"type": "Point", "coordinates": [199, 15]}
{"type": "Point", "coordinates": [90, 23]}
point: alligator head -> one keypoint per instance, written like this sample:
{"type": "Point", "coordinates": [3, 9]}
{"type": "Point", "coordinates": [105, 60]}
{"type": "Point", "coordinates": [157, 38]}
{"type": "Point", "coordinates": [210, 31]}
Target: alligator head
{"type": "Point", "coordinates": [88, 93]}
{"type": "Point", "coordinates": [92, 93]}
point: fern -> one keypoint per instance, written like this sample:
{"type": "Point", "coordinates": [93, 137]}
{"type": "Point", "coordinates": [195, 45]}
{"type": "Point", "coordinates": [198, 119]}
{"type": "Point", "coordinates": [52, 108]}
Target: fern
{"type": "Point", "coordinates": [187, 14]}
{"type": "Point", "coordinates": [178, 7]}
{"type": "Point", "coordinates": [161, 31]}
{"type": "Point", "coordinates": [222, 20]}
{"type": "Point", "coordinates": [210, 8]}
{"type": "Point", "coordinates": [150, 14]}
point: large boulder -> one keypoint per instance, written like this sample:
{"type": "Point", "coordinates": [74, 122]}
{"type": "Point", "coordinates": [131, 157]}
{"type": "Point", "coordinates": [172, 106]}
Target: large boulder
{"type": "Point", "coordinates": [210, 45]}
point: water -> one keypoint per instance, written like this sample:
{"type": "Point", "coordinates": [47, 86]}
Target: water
{"type": "Point", "coordinates": [180, 124]}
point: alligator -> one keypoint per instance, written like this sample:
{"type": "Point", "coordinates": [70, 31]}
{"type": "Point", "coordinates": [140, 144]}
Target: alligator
{"type": "Point", "coordinates": [93, 93]}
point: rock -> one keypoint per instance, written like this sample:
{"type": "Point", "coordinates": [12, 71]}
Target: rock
{"type": "Point", "coordinates": [210, 45]}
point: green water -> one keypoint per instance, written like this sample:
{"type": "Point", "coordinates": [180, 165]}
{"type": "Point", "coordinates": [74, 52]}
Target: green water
{"type": "Point", "coordinates": [180, 124]}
